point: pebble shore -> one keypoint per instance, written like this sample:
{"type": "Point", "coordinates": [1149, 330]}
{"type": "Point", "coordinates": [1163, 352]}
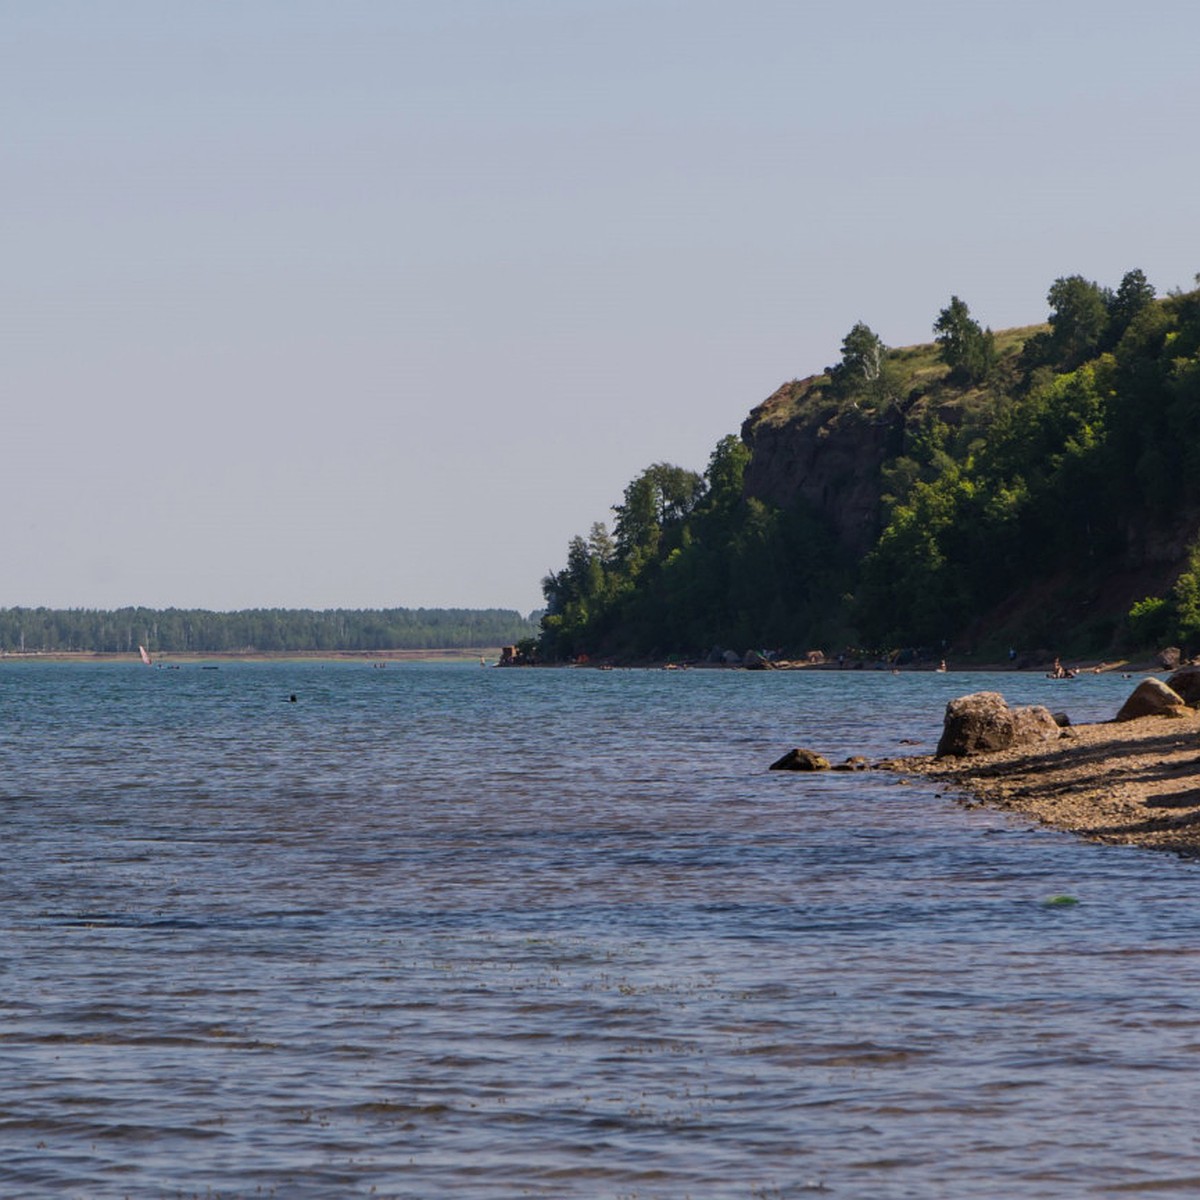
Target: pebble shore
{"type": "Point", "coordinates": [1131, 782]}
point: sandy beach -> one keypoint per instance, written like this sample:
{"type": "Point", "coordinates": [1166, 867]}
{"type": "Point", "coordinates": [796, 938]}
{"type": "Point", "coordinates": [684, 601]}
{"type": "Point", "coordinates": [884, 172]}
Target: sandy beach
{"type": "Point", "coordinates": [1132, 782]}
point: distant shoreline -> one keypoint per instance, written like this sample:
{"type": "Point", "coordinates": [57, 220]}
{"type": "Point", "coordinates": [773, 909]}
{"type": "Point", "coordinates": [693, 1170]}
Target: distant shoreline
{"type": "Point", "coordinates": [492, 654]}
{"type": "Point", "coordinates": [183, 658]}
{"type": "Point", "coordinates": [861, 666]}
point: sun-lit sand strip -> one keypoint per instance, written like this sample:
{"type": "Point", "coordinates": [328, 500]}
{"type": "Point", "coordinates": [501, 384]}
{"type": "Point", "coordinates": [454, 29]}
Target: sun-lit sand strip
{"type": "Point", "coordinates": [1134, 782]}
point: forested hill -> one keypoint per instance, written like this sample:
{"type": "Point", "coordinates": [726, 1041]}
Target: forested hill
{"type": "Point", "coordinates": [177, 630]}
{"type": "Point", "coordinates": [1037, 488]}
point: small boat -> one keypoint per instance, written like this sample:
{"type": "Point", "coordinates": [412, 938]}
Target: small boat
{"type": "Point", "coordinates": [145, 655]}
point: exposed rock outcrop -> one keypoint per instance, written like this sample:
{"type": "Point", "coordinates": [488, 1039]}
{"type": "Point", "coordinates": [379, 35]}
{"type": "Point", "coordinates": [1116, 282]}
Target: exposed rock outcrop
{"type": "Point", "coordinates": [827, 454]}
{"type": "Point", "coordinates": [983, 722]}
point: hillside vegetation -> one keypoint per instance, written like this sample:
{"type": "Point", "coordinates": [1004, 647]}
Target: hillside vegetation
{"type": "Point", "coordinates": [1036, 488]}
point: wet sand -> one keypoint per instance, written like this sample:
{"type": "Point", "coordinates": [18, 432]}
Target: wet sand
{"type": "Point", "coordinates": [1132, 782]}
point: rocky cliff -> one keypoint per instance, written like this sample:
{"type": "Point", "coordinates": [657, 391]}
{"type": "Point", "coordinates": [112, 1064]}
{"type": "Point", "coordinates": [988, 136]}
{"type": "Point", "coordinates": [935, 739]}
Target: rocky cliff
{"type": "Point", "coordinates": [827, 454]}
{"type": "Point", "coordinates": [816, 447]}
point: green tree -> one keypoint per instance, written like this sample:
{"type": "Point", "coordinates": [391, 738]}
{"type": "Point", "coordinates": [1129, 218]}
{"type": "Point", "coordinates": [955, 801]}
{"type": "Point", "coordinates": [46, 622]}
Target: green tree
{"type": "Point", "coordinates": [726, 472]}
{"type": "Point", "coordinates": [601, 544]}
{"type": "Point", "coordinates": [1134, 295]}
{"type": "Point", "coordinates": [912, 590]}
{"type": "Point", "coordinates": [1185, 596]}
{"type": "Point", "coordinates": [1149, 620]}
{"type": "Point", "coordinates": [661, 495]}
{"type": "Point", "coordinates": [968, 350]}
{"type": "Point", "coordinates": [862, 361]}
{"type": "Point", "coordinates": [1078, 318]}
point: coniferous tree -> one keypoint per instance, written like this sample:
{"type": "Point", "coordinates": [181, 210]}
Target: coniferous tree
{"type": "Point", "coordinates": [862, 360]}
{"type": "Point", "coordinates": [968, 350]}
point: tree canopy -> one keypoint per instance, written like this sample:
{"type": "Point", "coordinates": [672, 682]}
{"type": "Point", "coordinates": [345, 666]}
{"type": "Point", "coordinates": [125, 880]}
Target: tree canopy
{"type": "Point", "coordinates": [862, 360]}
{"type": "Point", "coordinates": [968, 350]}
{"type": "Point", "coordinates": [1085, 439]}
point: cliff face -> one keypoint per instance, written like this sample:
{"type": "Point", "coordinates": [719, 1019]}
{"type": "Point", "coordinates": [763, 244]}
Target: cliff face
{"type": "Point", "coordinates": [829, 454]}
{"type": "Point", "coordinates": [825, 454]}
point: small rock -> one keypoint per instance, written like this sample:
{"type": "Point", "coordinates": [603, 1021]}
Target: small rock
{"type": "Point", "coordinates": [855, 762]}
{"type": "Point", "coordinates": [801, 760]}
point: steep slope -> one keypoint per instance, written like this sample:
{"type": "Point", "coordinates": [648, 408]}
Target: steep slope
{"type": "Point", "coordinates": [806, 448]}
{"type": "Point", "coordinates": [1037, 487]}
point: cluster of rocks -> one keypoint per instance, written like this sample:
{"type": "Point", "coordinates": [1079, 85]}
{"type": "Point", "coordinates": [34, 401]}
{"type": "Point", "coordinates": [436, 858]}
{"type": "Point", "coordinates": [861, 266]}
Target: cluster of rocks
{"type": "Point", "coordinates": [984, 722]}
{"type": "Point", "coordinates": [761, 660]}
{"type": "Point", "coordinates": [809, 760]}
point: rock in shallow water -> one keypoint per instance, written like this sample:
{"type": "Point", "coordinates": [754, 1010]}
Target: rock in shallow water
{"type": "Point", "coordinates": [855, 762]}
{"type": "Point", "coordinates": [801, 760]}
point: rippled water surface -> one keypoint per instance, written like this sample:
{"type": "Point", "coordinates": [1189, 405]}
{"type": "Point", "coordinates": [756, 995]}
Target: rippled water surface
{"type": "Point", "coordinates": [438, 930]}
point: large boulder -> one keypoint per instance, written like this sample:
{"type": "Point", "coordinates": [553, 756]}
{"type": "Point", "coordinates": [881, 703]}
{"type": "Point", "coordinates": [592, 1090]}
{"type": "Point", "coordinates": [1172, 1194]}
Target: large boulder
{"type": "Point", "coordinates": [1151, 698]}
{"type": "Point", "coordinates": [1186, 684]}
{"type": "Point", "coordinates": [983, 722]}
{"type": "Point", "coordinates": [1169, 658]}
{"type": "Point", "coordinates": [1034, 723]}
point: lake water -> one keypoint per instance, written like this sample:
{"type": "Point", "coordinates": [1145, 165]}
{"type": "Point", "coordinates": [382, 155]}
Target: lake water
{"type": "Point", "coordinates": [442, 931]}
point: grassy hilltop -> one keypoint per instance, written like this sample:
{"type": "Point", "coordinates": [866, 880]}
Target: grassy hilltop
{"type": "Point", "coordinates": [1038, 488]}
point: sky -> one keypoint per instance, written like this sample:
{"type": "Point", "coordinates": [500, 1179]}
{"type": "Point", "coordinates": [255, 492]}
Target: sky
{"type": "Point", "coordinates": [377, 303]}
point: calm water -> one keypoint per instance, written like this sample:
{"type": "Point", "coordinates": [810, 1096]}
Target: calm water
{"type": "Point", "coordinates": [441, 931]}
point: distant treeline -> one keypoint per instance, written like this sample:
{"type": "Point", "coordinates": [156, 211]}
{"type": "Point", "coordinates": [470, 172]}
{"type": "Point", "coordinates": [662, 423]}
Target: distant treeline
{"type": "Point", "coordinates": [180, 630]}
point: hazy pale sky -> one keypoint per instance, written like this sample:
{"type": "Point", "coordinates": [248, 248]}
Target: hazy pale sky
{"type": "Point", "coordinates": [365, 303]}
